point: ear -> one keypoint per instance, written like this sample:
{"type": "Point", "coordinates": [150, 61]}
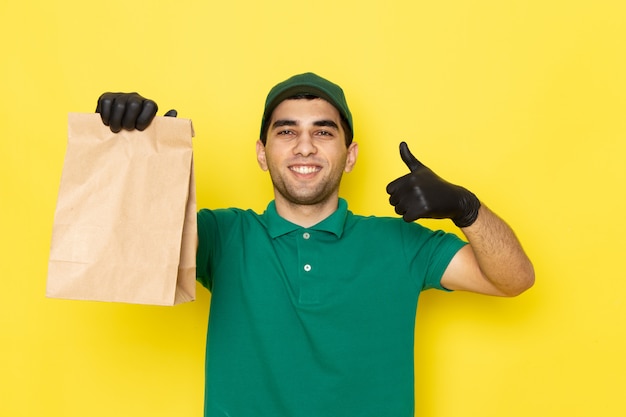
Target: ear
{"type": "Point", "coordinates": [353, 152]}
{"type": "Point", "coordinates": [260, 155]}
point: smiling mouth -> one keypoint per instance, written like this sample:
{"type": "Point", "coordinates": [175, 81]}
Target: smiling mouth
{"type": "Point", "coordinates": [305, 169]}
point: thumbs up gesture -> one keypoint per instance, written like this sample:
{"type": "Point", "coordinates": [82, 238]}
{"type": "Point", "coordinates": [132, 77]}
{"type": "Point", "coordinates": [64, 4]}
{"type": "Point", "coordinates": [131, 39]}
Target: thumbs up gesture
{"type": "Point", "coordinates": [423, 194]}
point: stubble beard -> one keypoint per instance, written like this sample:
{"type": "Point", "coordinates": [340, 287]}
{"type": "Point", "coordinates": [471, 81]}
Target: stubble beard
{"type": "Point", "coordinates": [306, 195]}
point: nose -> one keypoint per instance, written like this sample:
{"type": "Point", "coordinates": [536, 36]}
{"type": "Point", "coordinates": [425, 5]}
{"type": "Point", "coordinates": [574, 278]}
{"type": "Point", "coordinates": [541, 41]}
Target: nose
{"type": "Point", "coordinates": [304, 145]}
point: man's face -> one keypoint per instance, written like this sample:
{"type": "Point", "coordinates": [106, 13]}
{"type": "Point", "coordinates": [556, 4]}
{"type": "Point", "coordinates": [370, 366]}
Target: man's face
{"type": "Point", "coordinates": [305, 152]}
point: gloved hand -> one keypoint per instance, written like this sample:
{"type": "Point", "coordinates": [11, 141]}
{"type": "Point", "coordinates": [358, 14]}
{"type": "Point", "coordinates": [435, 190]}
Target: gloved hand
{"type": "Point", "coordinates": [423, 194]}
{"type": "Point", "coordinates": [127, 111]}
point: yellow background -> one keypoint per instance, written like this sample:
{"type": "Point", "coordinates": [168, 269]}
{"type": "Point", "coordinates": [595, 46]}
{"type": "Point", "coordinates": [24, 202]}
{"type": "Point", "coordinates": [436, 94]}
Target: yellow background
{"type": "Point", "coordinates": [523, 102]}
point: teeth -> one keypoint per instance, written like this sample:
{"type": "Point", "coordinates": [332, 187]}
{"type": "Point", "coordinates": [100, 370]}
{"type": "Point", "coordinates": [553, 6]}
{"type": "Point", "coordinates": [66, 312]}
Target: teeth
{"type": "Point", "coordinates": [304, 169]}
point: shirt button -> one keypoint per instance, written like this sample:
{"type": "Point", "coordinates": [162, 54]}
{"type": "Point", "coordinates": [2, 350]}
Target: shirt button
{"type": "Point", "coordinates": [307, 267]}
{"type": "Point", "coordinates": [306, 235]}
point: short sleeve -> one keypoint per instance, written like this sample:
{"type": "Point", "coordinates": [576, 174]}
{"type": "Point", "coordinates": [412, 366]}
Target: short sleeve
{"type": "Point", "coordinates": [206, 230]}
{"type": "Point", "coordinates": [429, 253]}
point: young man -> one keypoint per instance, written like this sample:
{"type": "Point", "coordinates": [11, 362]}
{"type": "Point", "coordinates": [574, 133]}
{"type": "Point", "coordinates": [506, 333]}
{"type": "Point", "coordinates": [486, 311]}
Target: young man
{"type": "Point", "coordinates": [313, 307]}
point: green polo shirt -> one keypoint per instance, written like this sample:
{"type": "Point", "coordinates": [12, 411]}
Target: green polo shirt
{"type": "Point", "coordinates": [314, 322]}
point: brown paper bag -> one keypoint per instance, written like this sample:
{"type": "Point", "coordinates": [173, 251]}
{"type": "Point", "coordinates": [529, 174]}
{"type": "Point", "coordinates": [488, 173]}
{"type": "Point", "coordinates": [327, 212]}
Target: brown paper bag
{"type": "Point", "coordinates": [125, 222]}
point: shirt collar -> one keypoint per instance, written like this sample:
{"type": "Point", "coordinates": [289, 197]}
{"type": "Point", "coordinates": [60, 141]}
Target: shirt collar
{"type": "Point", "coordinates": [278, 226]}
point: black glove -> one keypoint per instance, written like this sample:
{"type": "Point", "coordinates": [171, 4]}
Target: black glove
{"type": "Point", "coordinates": [423, 194]}
{"type": "Point", "coordinates": [127, 111]}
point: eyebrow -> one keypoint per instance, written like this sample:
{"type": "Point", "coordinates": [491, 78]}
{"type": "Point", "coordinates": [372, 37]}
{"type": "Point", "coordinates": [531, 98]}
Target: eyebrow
{"type": "Point", "coordinates": [283, 122]}
{"type": "Point", "coordinates": [326, 123]}
{"type": "Point", "coordinates": [319, 123]}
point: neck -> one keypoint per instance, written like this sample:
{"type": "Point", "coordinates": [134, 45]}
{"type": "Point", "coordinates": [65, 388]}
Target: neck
{"type": "Point", "coordinates": [305, 215]}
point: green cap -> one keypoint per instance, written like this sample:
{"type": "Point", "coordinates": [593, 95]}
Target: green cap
{"type": "Point", "coordinates": [307, 83]}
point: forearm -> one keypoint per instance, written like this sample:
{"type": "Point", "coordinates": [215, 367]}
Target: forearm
{"type": "Point", "coordinates": [494, 262]}
{"type": "Point", "coordinates": [499, 254]}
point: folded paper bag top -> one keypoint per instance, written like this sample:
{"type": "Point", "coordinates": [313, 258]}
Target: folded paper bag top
{"type": "Point", "coordinates": [125, 222]}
